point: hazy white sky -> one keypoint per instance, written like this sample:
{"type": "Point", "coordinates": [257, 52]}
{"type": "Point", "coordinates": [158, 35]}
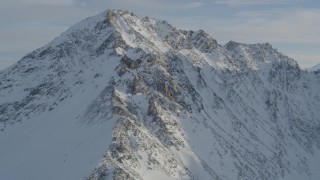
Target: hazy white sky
{"type": "Point", "coordinates": [292, 26]}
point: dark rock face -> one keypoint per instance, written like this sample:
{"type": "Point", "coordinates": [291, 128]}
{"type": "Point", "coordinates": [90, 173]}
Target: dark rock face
{"type": "Point", "coordinates": [183, 105]}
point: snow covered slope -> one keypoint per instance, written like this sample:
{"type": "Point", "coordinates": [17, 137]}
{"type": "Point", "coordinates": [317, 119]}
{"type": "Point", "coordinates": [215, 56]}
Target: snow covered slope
{"type": "Point", "coordinates": [120, 97]}
{"type": "Point", "coordinates": [314, 68]}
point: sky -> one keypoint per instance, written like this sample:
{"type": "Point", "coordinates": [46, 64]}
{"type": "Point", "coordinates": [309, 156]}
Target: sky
{"type": "Point", "coordinates": [291, 26]}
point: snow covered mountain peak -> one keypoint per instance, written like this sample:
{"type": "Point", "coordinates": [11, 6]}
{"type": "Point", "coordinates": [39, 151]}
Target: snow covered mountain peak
{"type": "Point", "coordinates": [314, 68]}
{"type": "Point", "coordinates": [122, 97]}
{"type": "Point", "coordinates": [257, 56]}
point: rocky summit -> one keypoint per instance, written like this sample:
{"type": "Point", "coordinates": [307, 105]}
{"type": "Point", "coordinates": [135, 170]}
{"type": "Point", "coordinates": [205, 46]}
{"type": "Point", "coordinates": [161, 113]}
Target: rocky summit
{"type": "Point", "coordinates": [122, 97]}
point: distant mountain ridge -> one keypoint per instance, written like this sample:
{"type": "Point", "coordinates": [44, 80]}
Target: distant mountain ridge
{"type": "Point", "coordinates": [122, 97]}
{"type": "Point", "coordinates": [314, 68]}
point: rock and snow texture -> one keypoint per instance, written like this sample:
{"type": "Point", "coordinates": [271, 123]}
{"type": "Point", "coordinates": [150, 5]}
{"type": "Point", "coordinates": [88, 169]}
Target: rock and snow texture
{"type": "Point", "coordinates": [314, 68]}
{"type": "Point", "coordinates": [120, 97]}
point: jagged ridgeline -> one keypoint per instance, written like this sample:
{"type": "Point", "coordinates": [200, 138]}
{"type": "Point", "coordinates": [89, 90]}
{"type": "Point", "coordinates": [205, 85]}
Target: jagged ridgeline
{"type": "Point", "coordinates": [122, 97]}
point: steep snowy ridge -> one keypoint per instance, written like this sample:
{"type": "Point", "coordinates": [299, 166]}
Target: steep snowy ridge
{"type": "Point", "coordinates": [122, 97]}
{"type": "Point", "coordinates": [315, 69]}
